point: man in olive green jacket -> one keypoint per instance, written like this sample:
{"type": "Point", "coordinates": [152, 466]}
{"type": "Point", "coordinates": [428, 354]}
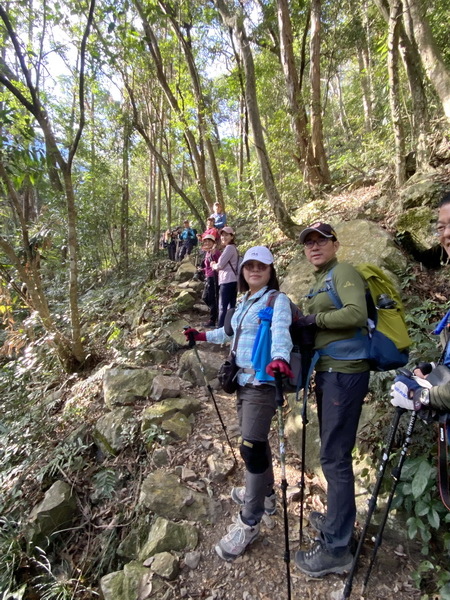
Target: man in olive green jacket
{"type": "Point", "coordinates": [341, 384]}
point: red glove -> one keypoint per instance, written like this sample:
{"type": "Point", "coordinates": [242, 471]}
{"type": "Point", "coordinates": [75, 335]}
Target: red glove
{"type": "Point", "coordinates": [199, 336]}
{"type": "Point", "coordinates": [281, 366]}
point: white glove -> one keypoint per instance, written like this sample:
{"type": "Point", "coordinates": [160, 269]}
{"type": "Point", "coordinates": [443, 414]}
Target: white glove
{"type": "Point", "coordinates": [400, 394]}
{"type": "Point", "coordinates": [405, 391]}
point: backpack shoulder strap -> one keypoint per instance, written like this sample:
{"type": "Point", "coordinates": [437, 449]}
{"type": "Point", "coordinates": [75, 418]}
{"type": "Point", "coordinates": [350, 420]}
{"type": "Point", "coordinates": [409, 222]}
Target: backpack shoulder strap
{"type": "Point", "coordinates": [330, 288]}
{"type": "Point", "coordinates": [273, 295]}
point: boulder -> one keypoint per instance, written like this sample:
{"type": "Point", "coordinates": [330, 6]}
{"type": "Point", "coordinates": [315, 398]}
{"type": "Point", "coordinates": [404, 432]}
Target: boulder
{"type": "Point", "coordinates": [185, 300]}
{"type": "Point", "coordinates": [165, 387]}
{"type": "Point", "coordinates": [171, 336]}
{"type": "Point", "coordinates": [124, 386]}
{"type": "Point", "coordinates": [56, 512]}
{"type": "Point", "coordinates": [194, 286]}
{"type": "Point", "coordinates": [219, 467]}
{"type": "Point", "coordinates": [166, 536]}
{"type": "Point", "coordinates": [137, 582]}
{"type": "Point", "coordinates": [422, 189]}
{"type": "Point", "coordinates": [189, 367]}
{"type": "Point", "coordinates": [192, 559]}
{"type": "Point", "coordinates": [185, 271]}
{"type": "Point", "coordinates": [177, 426]}
{"type": "Point", "coordinates": [134, 582]}
{"type": "Point", "coordinates": [111, 586]}
{"type": "Point", "coordinates": [163, 494]}
{"type": "Point", "coordinates": [165, 565]}
{"type": "Point", "coordinates": [148, 355]}
{"type": "Point", "coordinates": [113, 430]}
{"type": "Point", "coordinates": [130, 546]}
{"type": "Point", "coordinates": [157, 413]}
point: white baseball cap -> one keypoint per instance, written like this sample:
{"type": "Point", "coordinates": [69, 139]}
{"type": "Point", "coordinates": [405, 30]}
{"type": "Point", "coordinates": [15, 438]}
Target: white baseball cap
{"type": "Point", "coordinates": [260, 253]}
{"type": "Point", "coordinates": [208, 236]}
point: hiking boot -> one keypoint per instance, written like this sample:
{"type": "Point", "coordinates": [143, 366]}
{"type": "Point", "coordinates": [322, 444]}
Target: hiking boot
{"type": "Point", "coordinates": [270, 502]}
{"type": "Point", "coordinates": [317, 520]}
{"type": "Point", "coordinates": [318, 562]}
{"type": "Point", "coordinates": [235, 542]}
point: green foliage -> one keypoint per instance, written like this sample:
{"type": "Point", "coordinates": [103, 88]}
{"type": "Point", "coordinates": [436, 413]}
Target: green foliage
{"type": "Point", "coordinates": [105, 482]}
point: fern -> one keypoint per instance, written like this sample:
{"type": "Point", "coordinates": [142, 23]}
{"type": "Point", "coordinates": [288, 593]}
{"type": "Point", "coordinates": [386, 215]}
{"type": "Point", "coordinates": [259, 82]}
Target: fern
{"type": "Point", "coordinates": [105, 482]}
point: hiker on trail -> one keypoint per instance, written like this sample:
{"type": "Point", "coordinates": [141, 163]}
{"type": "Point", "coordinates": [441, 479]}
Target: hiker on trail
{"type": "Point", "coordinates": [408, 393]}
{"type": "Point", "coordinates": [220, 218]}
{"type": "Point", "coordinates": [256, 403]}
{"type": "Point", "coordinates": [170, 243]}
{"type": "Point", "coordinates": [340, 388]}
{"type": "Point", "coordinates": [227, 268]}
{"type": "Point", "coordinates": [437, 256]}
{"type": "Point", "coordinates": [211, 229]}
{"type": "Point", "coordinates": [210, 294]}
{"type": "Point", "coordinates": [187, 237]}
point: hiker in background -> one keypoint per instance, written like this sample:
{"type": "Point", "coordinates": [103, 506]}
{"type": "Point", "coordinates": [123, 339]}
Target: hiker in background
{"type": "Point", "coordinates": [408, 393]}
{"type": "Point", "coordinates": [437, 256]}
{"type": "Point", "coordinates": [256, 403]}
{"type": "Point", "coordinates": [188, 238]}
{"type": "Point", "coordinates": [227, 268]}
{"type": "Point", "coordinates": [178, 242]}
{"type": "Point", "coordinates": [210, 294]}
{"type": "Point", "coordinates": [340, 387]}
{"type": "Point", "coordinates": [170, 243]}
{"type": "Point", "coordinates": [220, 218]}
{"type": "Point", "coordinates": [211, 229]}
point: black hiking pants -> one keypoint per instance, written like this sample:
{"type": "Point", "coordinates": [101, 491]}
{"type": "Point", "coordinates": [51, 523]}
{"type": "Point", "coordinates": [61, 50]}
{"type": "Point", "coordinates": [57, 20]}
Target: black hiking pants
{"type": "Point", "coordinates": [210, 297]}
{"type": "Point", "coordinates": [339, 402]}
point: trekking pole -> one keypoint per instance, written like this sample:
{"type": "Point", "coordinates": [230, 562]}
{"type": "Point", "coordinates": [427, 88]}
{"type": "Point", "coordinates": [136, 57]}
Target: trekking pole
{"type": "Point", "coordinates": [303, 458]}
{"type": "Point", "coordinates": [280, 400]}
{"type": "Point", "coordinates": [373, 499]}
{"type": "Point", "coordinates": [193, 345]}
{"type": "Point", "coordinates": [396, 472]}
{"type": "Point", "coordinates": [309, 371]}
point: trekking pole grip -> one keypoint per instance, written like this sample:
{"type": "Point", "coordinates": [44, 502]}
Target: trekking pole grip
{"type": "Point", "coordinates": [279, 388]}
{"type": "Point", "coordinates": [191, 337]}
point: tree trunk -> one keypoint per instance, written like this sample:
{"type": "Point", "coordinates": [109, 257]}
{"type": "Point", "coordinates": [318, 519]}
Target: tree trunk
{"type": "Point", "coordinates": [125, 201]}
{"type": "Point", "coordinates": [431, 56]}
{"type": "Point", "coordinates": [318, 147]}
{"type": "Point", "coordinates": [195, 147]}
{"type": "Point", "coordinates": [235, 22]}
{"type": "Point", "coordinates": [305, 150]}
{"type": "Point", "coordinates": [394, 91]}
{"type": "Point", "coordinates": [411, 60]}
{"type": "Point", "coordinates": [202, 108]}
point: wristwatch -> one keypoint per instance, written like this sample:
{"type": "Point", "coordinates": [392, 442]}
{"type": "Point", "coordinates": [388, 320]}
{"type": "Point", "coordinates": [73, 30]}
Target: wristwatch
{"type": "Point", "coordinates": [421, 399]}
{"type": "Point", "coordinates": [424, 397]}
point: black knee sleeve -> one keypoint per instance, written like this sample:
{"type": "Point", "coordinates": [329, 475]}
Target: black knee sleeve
{"type": "Point", "coordinates": [254, 454]}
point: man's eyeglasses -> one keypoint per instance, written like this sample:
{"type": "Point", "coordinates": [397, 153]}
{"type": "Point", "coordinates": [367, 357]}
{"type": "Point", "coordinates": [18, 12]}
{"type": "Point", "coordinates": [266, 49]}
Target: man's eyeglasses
{"type": "Point", "coordinates": [322, 241]}
{"type": "Point", "coordinates": [441, 227]}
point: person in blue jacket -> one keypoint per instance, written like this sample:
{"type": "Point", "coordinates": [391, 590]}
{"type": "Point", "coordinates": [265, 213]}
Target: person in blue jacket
{"type": "Point", "coordinates": [220, 218]}
{"type": "Point", "coordinates": [256, 404]}
{"type": "Point", "coordinates": [188, 238]}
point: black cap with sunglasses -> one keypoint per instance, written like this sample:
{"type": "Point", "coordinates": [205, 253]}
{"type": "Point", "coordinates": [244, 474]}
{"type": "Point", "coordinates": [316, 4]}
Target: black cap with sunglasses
{"type": "Point", "coordinates": [324, 229]}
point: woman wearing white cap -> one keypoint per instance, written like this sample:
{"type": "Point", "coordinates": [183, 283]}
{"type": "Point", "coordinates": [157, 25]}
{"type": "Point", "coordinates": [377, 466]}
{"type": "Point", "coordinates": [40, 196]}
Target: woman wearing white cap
{"type": "Point", "coordinates": [256, 403]}
{"type": "Point", "coordinates": [227, 267]}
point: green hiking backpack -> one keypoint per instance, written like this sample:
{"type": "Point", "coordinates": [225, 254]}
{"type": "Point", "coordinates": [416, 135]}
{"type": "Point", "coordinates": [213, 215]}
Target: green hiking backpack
{"type": "Point", "coordinates": [386, 345]}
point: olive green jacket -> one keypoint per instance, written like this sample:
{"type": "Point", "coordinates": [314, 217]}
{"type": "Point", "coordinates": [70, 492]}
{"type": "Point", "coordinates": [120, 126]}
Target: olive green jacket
{"type": "Point", "coordinates": [338, 324]}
